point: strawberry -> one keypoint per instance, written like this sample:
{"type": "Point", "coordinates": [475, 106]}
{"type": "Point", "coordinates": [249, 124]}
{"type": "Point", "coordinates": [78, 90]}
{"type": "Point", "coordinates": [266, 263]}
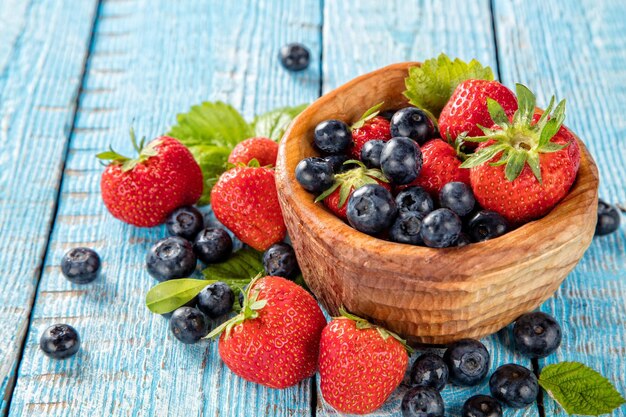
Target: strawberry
{"type": "Point", "coordinates": [360, 364]}
{"type": "Point", "coordinates": [337, 195]}
{"type": "Point", "coordinates": [525, 164]}
{"type": "Point", "coordinates": [274, 340]}
{"type": "Point", "coordinates": [143, 191]}
{"type": "Point", "coordinates": [467, 108]}
{"type": "Point", "coordinates": [370, 126]}
{"type": "Point", "coordinates": [245, 200]}
{"type": "Point", "coordinates": [262, 149]}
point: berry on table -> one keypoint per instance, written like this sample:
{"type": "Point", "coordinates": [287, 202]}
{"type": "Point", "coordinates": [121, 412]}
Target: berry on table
{"type": "Point", "coordinates": [481, 406]}
{"type": "Point", "coordinates": [486, 225]}
{"type": "Point", "coordinates": [536, 334]}
{"type": "Point", "coordinates": [458, 197]}
{"type": "Point", "coordinates": [441, 228]}
{"type": "Point", "coordinates": [429, 370]}
{"type": "Point", "coordinates": [280, 260]}
{"type": "Point", "coordinates": [264, 150]}
{"type": "Point", "coordinates": [314, 174]}
{"type": "Point", "coordinates": [608, 218]}
{"type": "Point", "coordinates": [185, 222]}
{"type": "Point", "coordinates": [332, 136]}
{"type": "Point", "coordinates": [189, 325]}
{"type": "Point", "coordinates": [371, 209]}
{"type": "Point", "coordinates": [414, 199]}
{"type": "Point", "coordinates": [406, 228]}
{"type": "Point", "coordinates": [370, 153]}
{"type": "Point", "coordinates": [213, 245]}
{"type": "Point", "coordinates": [401, 160]}
{"type": "Point", "coordinates": [294, 56]}
{"type": "Point", "coordinates": [514, 386]}
{"type": "Point", "coordinates": [59, 341]}
{"type": "Point", "coordinates": [81, 265]}
{"type": "Point", "coordinates": [422, 402]}
{"type": "Point", "coordinates": [468, 362]}
{"type": "Point", "coordinates": [412, 123]}
{"type": "Point", "coordinates": [216, 299]}
{"type": "Point", "coordinates": [171, 258]}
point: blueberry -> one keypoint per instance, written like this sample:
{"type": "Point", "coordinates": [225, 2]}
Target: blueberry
{"type": "Point", "coordinates": [185, 222]}
{"type": "Point", "coordinates": [406, 228]}
{"type": "Point", "coordinates": [387, 114]}
{"type": "Point", "coordinates": [213, 245]}
{"type": "Point", "coordinates": [171, 258]}
{"type": "Point", "coordinates": [429, 370]}
{"type": "Point", "coordinates": [468, 362]}
{"type": "Point", "coordinates": [481, 406]}
{"type": "Point", "coordinates": [462, 240]}
{"type": "Point", "coordinates": [189, 325]}
{"type": "Point", "coordinates": [415, 199]}
{"type": "Point", "coordinates": [441, 228]}
{"type": "Point", "coordinates": [370, 153]}
{"type": "Point", "coordinates": [412, 123]}
{"type": "Point", "coordinates": [486, 225]}
{"type": "Point", "coordinates": [216, 299]}
{"type": "Point", "coordinates": [294, 57]}
{"type": "Point", "coordinates": [401, 160]}
{"type": "Point", "coordinates": [332, 136]}
{"type": "Point", "coordinates": [191, 303]}
{"type": "Point", "coordinates": [458, 197]}
{"type": "Point", "coordinates": [608, 219]}
{"type": "Point", "coordinates": [280, 260]}
{"type": "Point", "coordinates": [536, 335]}
{"type": "Point", "coordinates": [59, 341]}
{"type": "Point", "coordinates": [315, 174]}
{"type": "Point", "coordinates": [371, 209]}
{"type": "Point", "coordinates": [422, 402]}
{"type": "Point", "coordinates": [336, 162]}
{"type": "Point", "coordinates": [80, 265]}
{"type": "Point", "coordinates": [514, 386]}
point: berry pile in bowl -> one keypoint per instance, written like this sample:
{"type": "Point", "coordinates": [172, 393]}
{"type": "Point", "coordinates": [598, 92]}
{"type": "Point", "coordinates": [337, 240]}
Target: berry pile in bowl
{"type": "Point", "coordinates": [441, 207]}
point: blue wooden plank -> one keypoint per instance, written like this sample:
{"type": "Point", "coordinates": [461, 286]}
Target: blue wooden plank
{"type": "Point", "coordinates": [152, 59]}
{"type": "Point", "coordinates": [360, 36]}
{"type": "Point", "coordinates": [43, 46]}
{"type": "Point", "coordinates": [576, 50]}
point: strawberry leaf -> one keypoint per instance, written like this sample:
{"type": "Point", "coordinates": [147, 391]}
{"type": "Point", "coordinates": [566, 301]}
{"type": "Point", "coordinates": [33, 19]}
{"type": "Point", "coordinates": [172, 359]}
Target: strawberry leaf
{"type": "Point", "coordinates": [368, 115]}
{"type": "Point", "coordinates": [515, 164]}
{"type": "Point", "coordinates": [167, 296]}
{"type": "Point", "coordinates": [526, 104]}
{"type": "Point", "coordinates": [273, 124]}
{"type": "Point", "coordinates": [497, 113]}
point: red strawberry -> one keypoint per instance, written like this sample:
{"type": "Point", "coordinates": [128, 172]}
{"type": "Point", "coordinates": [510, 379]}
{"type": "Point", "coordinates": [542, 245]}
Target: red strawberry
{"type": "Point", "coordinates": [263, 150]}
{"type": "Point", "coordinates": [246, 202]}
{"type": "Point", "coordinates": [360, 364]}
{"type": "Point", "coordinates": [274, 341]}
{"type": "Point", "coordinates": [143, 191]}
{"type": "Point", "coordinates": [527, 163]}
{"type": "Point", "coordinates": [467, 108]}
{"type": "Point", "coordinates": [371, 129]}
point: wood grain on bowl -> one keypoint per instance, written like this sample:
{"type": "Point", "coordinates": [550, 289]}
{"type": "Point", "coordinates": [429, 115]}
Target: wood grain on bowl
{"type": "Point", "coordinates": [427, 295]}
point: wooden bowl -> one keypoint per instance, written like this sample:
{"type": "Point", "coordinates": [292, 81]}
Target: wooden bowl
{"type": "Point", "coordinates": [426, 295]}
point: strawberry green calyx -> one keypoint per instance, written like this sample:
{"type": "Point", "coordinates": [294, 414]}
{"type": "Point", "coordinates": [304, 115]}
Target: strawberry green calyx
{"type": "Point", "coordinates": [519, 141]}
{"type": "Point", "coordinates": [144, 153]}
{"type": "Point", "coordinates": [351, 180]}
{"type": "Point", "coordinates": [367, 116]}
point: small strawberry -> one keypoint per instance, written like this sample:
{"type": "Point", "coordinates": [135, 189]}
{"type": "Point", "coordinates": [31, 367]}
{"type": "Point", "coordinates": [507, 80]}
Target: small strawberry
{"type": "Point", "coordinates": [145, 190]}
{"type": "Point", "coordinates": [525, 164]}
{"type": "Point", "coordinates": [467, 108]}
{"type": "Point", "coordinates": [360, 364]}
{"type": "Point", "coordinates": [263, 150]}
{"type": "Point", "coordinates": [370, 126]}
{"type": "Point", "coordinates": [245, 200]}
{"type": "Point", "coordinates": [274, 340]}
{"type": "Point", "coordinates": [336, 197]}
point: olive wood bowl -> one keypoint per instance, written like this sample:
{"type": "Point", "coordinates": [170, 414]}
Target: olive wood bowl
{"type": "Point", "coordinates": [433, 296]}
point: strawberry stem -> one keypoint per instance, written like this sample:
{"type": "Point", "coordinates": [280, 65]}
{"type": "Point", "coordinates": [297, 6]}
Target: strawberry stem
{"type": "Point", "coordinates": [144, 153]}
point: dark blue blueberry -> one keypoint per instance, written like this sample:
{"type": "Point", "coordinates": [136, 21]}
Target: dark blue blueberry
{"type": "Point", "coordinates": [280, 260]}
{"type": "Point", "coordinates": [294, 57]}
{"type": "Point", "coordinates": [462, 240]}
{"type": "Point", "coordinates": [415, 199]}
{"type": "Point", "coordinates": [336, 162]}
{"type": "Point", "coordinates": [189, 325]}
{"type": "Point", "coordinates": [429, 370]}
{"type": "Point", "coordinates": [486, 225]}
{"type": "Point", "coordinates": [441, 228]}
{"type": "Point", "coordinates": [370, 153]}
{"type": "Point", "coordinates": [371, 209]}
{"type": "Point", "coordinates": [213, 245]}
{"type": "Point", "coordinates": [412, 123]}
{"type": "Point", "coordinates": [422, 402]}
{"type": "Point", "coordinates": [406, 228]}
{"type": "Point", "coordinates": [514, 386]}
{"type": "Point", "coordinates": [608, 219]}
{"type": "Point", "coordinates": [458, 197]}
{"type": "Point", "coordinates": [185, 222]}
{"type": "Point", "coordinates": [191, 303]}
{"type": "Point", "coordinates": [536, 335]}
{"type": "Point", "coordinates": [315, 174]}
{"type": "Point", "coordinates": [171, 258]}
{"type": "Point", "coordinates": [481, 406]}
{"type": "Point", "coordinates": [468, 362]}
{"type": "Point", "coordinates": [387, 114]}
{"type": "Point", "coordinates": [216, 299]}
{"type": "Point", "coordinates": [332, 136]}
{"type": "Point", "coordinates": [59, 341]}
{"type": "Point", "coordinates": [401, 160]}
{"type": "Point", "coordinates": [81, 265]}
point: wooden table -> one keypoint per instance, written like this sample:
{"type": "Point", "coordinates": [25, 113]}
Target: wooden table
{"type": "Point", "coordinates": [75, 74]}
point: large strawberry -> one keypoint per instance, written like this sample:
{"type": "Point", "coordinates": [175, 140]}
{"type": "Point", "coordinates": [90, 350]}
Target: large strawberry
{"type": "Point", "coordinates": [262, 149]}
{"type": "Point", "coordinates": [370, 126]}
{"type": "Point", "coordinates": [525, 164]}
{"type": "Point", "coordinates": [274, 340]}
{"type": "Point", "coordinates": [144, 190]}
{"type": "Point", "coordinates": [360, 364]}
{"type": "Point", "coordinates": [245, 200]}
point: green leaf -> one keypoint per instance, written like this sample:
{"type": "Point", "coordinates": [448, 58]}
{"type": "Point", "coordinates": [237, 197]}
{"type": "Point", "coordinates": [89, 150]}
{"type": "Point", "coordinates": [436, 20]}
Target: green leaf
{"type": "Point", "coordinates": [430, 86]}
{"type": "Point", "coordinates": [526, 104]}
{"type": "Point", "coordinates": [515, 164]}
{"type": "Point", "coordinates": [242, 266]}
{"type": "Point", "coordinates": [368, 115]}
{"type": "Point", "coordinates": [212, 160]}
{"type": "Point", "coordinates": [533, 163]}
{"type": "Point", "coordinates": [273, 124]}
{"type": "Point", "coordinates": [497, 113]}
{"type": "Point", "coordinates": [579, 389]}
{"type": "Point", "coordinates": [482, 155]}
{"type": "Point", "coordinates": [553, 125]}
{"type": "Point", "coordinates": [328, 191]}
{"type": "Point", "coordinates": [167, 296]}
